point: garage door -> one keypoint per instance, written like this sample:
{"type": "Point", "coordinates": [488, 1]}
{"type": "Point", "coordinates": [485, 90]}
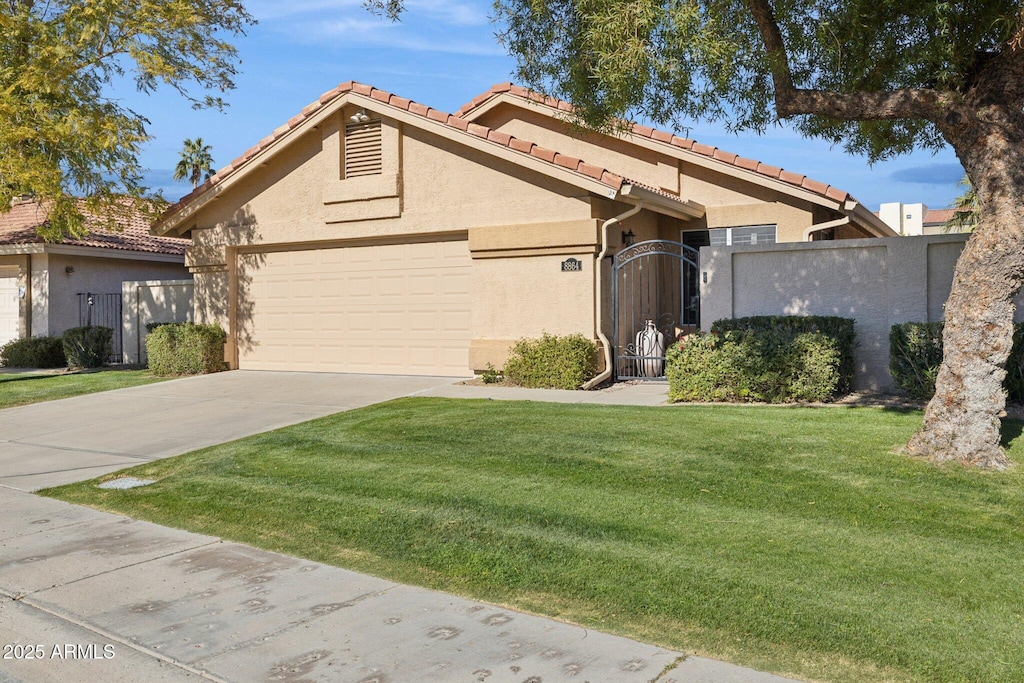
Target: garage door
{"type": "Point", "coordinates": [386, 309]}
{"type": "Point", "coordinates": [8, 307]}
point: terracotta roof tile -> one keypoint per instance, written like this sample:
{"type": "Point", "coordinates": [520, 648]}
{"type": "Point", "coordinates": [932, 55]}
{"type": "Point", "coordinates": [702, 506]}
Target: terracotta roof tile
{"type": "Point", "coordinates": [706, 150]}
{"type": "Point", "coordinates": [603, 176]}
{"type": "Point", "coordinates": [567, 161]}
{"type": "Point", "coordinates": [748, 164]}
{"type": "Point", "coordinates": [938, 216]}
{"type": "Point", "coordinates": [478, 130]}
{"type": "Point", "coordinates": [814, 186]}
{"type": "Point", "coordinates": [775, 172]}
{"type": "Point", "coordinates": [499, 137]}
{"type": "Point", "coordinates": [662, 136]}
{"type": "Point", "coordinates": [18, 226]}
{"type": "Point", "coordinates": [727, 157]}
{"type": "Point", "coordinates": [543, 153]}
{"type": "Point", "coordinates": [639, 129]}
{"type": "Point", "coordinates": [792, 178]}
{"type": "Point", "coordinates": [836, 194]}
{"type": "Point", "coordinates": [518, 145]}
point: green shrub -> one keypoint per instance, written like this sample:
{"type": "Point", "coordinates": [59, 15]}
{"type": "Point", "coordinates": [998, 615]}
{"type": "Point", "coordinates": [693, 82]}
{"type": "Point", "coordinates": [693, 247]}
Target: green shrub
{"type": "Point", "coordinates": [34, 352]}
{"type": "Point", "coordinates": [185, 349]}
{"type": "Point", "coordinates": [552, 362]}
{"type": "Point", "coordinates": [788, 326]}
{"type": "Point", "coordinates": [88, 347]}
{"type": "Point", "coordinates": [915, 354]}
{"type": "Point", "coordinates": [748, 365]}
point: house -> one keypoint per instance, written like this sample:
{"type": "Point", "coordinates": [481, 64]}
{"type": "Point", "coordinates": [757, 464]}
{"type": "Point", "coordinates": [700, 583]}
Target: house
{"type": "Point", "coordinates": [916, 219]}
{"type": "Point", "coordinates": [374, 234]}
{"type": "Point", "coordinates": [46, 288]}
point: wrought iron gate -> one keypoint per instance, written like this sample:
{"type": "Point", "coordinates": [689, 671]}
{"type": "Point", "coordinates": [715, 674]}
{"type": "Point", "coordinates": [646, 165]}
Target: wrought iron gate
{"type": "Point", "coordinates": [657, 281]}
{"type": "Point", "coordinates": [103, 310]}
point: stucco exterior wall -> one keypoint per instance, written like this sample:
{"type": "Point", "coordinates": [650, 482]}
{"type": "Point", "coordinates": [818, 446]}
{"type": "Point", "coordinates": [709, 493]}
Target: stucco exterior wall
{"type": "Point", "coordinates": [878, 282]}
{"type": "Point", "coordinates": [92, 274]}
{"type": "Point", "coordinates": [151, 301]}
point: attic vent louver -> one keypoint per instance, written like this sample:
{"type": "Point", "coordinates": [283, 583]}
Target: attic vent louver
{"type": "Point", "coordinates": [362, 149]}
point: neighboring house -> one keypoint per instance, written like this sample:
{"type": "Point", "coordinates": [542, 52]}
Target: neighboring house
{"type": "Point", "coordinates": [374, 234]}
{"type": "Point", "coordinates": [46, 288]}
{"type": "Point", "coordinates": [916, 219]}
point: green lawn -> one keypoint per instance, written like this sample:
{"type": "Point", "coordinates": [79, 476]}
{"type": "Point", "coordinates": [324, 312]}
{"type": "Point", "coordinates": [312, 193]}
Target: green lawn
{"type": "Point", "coordinates": [788, 539]}
{"type": "Point", "coordinates": [26, 387]}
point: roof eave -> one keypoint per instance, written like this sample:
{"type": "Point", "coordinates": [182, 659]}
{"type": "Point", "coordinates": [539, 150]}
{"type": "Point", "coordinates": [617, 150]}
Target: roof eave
{"type": "Point", "coordinates": [866, 219]}
{"type": "Point", "coordinates": [664, 147]}
{"type": "Point", "coordinates": [683, 209]}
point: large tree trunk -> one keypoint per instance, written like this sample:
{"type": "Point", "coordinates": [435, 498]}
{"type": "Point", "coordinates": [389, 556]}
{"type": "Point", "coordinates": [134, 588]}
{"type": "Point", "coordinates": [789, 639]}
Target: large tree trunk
{"type": "Point", "coordinates": [962, 421]}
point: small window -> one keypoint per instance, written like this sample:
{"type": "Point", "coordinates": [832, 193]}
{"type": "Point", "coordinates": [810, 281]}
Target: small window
{"type": "Point", "coordinates": [362, 149]}
{"type": "Point", "coordinates": [751, 234]}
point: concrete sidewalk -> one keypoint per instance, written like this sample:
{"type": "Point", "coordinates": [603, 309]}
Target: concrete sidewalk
{"type": "Point", "coordinates": [148, 603]}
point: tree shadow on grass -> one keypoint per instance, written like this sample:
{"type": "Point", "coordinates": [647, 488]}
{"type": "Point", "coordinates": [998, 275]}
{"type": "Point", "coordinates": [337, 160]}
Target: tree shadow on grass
{"type": "Point", "coordinates": [5, 380]}
{"type": "Point", "coordinates": [1011, 431]}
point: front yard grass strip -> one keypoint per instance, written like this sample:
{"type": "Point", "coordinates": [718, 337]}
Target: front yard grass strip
{"type": "Point", "coordinates": [22, 388]}
{"type": "Point", "coordinates": [791, 540]}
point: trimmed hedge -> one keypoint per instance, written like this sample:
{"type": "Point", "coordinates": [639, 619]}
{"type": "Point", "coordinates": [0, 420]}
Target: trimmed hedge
{"type": "Point", "coordinates": [88, 347]}
{"type": "Point", "coordinates": [789, 326]}
{"type": "Point", "coordinates": [552, 362]}
{"type": "Point", "coordinates": [34, 352]}
{"type": "Point", "coordinates": [915, 354]}
{"type": "Point", "coordinates": [745, 365]}
{"type": "Point", "coordinates": [186, 349]}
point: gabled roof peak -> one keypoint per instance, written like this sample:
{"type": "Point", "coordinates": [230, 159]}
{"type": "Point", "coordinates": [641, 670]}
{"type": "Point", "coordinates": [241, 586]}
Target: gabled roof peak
{"type": "Point", "coordinates": [613, 181]}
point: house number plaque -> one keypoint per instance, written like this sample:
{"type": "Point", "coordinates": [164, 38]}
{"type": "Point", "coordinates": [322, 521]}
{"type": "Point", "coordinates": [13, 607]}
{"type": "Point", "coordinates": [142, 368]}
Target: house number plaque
{"type": "Point", "coordinates": [571, 265]}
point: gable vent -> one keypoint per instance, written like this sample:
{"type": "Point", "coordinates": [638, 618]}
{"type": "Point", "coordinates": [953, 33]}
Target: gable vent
{"type": "Point", "coordinates": [362, 149]}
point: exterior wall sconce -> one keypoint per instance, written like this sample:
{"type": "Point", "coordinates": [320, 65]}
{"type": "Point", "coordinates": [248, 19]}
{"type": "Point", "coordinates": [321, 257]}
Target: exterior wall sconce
{"type": "Point", "coordinates": [69, 269]}
{"type": "Point", "coordinates": [628, 238]}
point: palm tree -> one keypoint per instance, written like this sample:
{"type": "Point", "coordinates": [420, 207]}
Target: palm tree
{"type": "Point", "coordinates": [965, 214]}
{"type": "Point", "coordinates": [196, 163]}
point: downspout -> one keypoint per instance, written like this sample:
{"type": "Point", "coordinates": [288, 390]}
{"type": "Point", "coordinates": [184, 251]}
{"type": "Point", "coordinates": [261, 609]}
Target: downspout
{"type": "Point", "coordinates": [845, 220]}
{"type": "Point", "coordinates": [598, 290]}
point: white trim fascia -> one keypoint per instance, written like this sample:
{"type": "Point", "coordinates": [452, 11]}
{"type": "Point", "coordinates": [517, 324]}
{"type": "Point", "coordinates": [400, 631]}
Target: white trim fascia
{"type": "Point", "coordinates": [869, 221]}
{"type": "Point", "coordinates": [669, 149]}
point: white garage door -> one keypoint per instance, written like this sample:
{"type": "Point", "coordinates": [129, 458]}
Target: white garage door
{"type": "Point", "coordinates": [385, 309]}
{"type": "Point", "coordinates": [8, 307]}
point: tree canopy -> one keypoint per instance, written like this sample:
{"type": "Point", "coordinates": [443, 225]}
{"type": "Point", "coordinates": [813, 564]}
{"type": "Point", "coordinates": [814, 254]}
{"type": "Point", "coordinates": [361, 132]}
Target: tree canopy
{"type": "Point", "coordinates": [63, 134]}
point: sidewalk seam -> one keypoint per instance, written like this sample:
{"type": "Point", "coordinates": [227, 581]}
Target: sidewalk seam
{"type": "Point", "coordinates": [127, 643]}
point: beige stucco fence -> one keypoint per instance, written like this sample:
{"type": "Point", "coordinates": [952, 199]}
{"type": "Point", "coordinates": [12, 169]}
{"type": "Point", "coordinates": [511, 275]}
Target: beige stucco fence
{"type": "Point", "coordinates": [878, 282]}
{"type": "Point", "coordinates": [151, 301]}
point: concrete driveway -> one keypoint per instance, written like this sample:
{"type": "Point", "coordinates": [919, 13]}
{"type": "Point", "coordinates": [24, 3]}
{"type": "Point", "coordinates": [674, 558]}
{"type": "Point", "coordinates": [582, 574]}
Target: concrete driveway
{"type": "Point", "coordinates": [59, 442]}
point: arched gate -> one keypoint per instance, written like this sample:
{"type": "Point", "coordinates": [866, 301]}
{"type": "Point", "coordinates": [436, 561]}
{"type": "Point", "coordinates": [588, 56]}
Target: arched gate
{"type": "Point", "coordinates": [652, 281]}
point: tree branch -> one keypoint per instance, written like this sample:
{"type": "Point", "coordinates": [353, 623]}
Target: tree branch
{"type": "Point", "coordinates": [908, 103]}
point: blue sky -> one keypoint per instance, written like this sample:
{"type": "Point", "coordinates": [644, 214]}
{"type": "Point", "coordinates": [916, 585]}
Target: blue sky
{"type": "Point", "coordinates": [443, 54]}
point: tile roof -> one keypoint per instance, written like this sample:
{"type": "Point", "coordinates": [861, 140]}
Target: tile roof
{"type": "Point", "coordinates": [938, 216]}
{"type": "Point", "coordinates": [601, 175]}
{"type": "Point", "coordinates": [18, 226]}
{"type": "Point", "coordinates": [775, 172]}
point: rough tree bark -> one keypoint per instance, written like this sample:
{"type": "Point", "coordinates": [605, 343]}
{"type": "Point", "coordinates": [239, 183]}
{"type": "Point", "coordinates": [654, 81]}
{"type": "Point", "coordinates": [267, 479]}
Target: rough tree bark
{"type": "Point", "coordinates": [962, 421]}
